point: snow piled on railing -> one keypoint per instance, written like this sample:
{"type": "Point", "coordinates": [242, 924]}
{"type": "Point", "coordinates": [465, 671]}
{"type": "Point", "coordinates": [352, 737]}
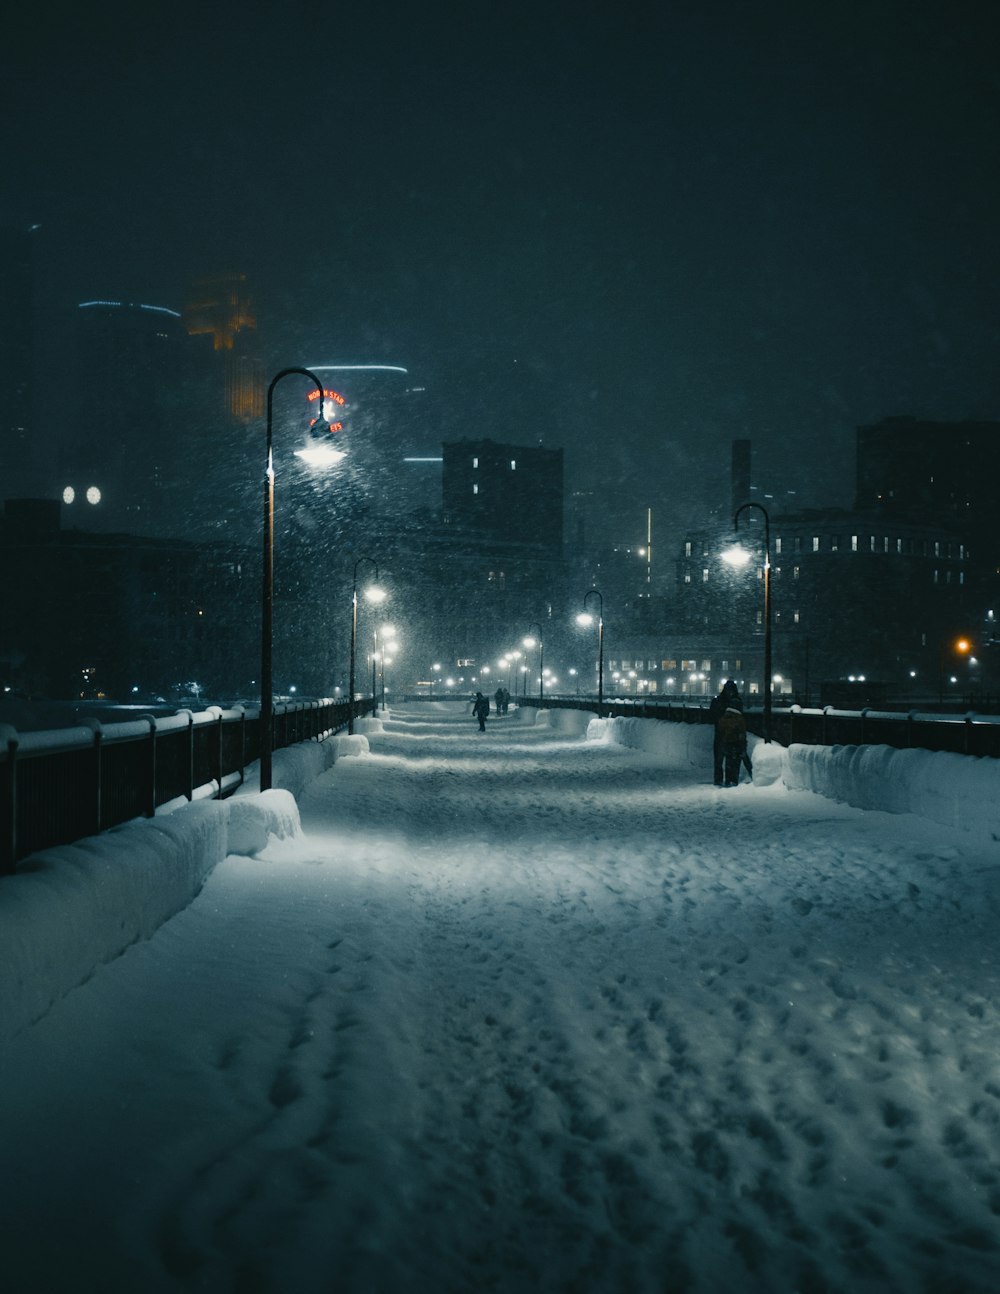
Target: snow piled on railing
{"type": "Point", "coordinates": [70, 908]}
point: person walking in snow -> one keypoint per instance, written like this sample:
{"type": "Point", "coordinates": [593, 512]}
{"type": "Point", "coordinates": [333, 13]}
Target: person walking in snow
{"type": "Point", "coordinates": [498, 698]}
{"type": "Point", "coordinates": [732, 734]}
{"type": "Point", "coordinates": [728, 698]}
{"type": "Point", "coordinates": [481, 709]}
{"type": "Point", "coordinates": [505, 699]}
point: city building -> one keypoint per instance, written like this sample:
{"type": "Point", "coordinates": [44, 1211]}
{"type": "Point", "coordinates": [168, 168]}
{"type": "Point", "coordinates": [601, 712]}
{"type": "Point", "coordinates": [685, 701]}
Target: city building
{"type": "Point", "coordinates": [21, 463]}
{"type": "Point", "coordinates": [98, 614]}
{"type": "Point", "coordinates": [119, 448]}
{"type": "Point", "coordinates": [944, 473]}
{"type": "Point", "coordinates": [512, 493]}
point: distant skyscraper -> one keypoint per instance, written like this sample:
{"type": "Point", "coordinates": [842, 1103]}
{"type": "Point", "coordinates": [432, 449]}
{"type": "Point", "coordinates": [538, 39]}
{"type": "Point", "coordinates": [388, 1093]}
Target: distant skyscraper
{"type": "Point", "coordinates": [118, 448]}
{"type": "Point", "coordinates": [513, 493]}
{"type": "Point", "coordinates": [20, 460]}
{"type": "Point", "coordinates": [939, 473]}
{"type": "Point", "coordinates": [219, 306]}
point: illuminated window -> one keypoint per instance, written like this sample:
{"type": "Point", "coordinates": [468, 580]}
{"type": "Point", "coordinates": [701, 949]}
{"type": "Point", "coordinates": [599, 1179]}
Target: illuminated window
{"type": "Point", "coordinates": [475, 489]}
{"type": "Point", "coordinates": [937, 548]}
{"type": "Point", "coordinates": [777, 545]}
{"type": "Point", "coordinates": [899, 545]}
{"type": "Point", "coordinates": [513, 464]}
{"type": "Point", "coordinates": [704, 575]}
{"type": "Point", "coordinates": [795, 572]}
{"type": "Point", "coordinates": [687, 548]}
{"type": "Point", "coordinates": [871, 543]}
{"type": "Point", "coordinates": [854, 543]}
{"type": "Point", "coordinates": [835, 544]}
{"type": "Point", "coordinates": [815, 543]}
{"type": "Point", "coordinates": [475, 462]}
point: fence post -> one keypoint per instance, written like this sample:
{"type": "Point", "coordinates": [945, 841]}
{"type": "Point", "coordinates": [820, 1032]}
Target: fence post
{"type": "Point", "coordinates": [189, 793]}
{"type": "Point", "coordinates": [218, 752]}
{"type": "Point", "coordinates": [8, 798]}
{"type": "Point", "coordinates": [96, 788]}
{"type": "Point", "coordinates": [150, 809]}
{"type": "Point", "coordinates": [98, 779]}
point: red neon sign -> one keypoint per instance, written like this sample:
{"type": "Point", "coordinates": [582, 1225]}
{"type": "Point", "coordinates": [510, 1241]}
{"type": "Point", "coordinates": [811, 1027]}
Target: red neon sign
{"type": "Point", "coordinates": [335, 396]}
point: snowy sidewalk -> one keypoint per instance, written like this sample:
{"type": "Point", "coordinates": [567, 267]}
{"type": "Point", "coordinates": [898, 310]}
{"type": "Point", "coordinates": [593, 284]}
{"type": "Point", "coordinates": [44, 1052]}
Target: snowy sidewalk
{"type": "Point", "coordinates": [521, 1011]}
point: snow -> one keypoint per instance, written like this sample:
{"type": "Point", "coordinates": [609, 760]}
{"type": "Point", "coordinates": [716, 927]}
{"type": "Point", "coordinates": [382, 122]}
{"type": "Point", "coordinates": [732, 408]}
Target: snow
{"type": "Point", "coordinates": [539, 1008]}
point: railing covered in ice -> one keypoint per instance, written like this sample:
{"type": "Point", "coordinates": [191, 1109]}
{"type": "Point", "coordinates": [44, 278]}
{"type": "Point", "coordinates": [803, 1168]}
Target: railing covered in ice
{"type": "Point", "coordinates": [64, 784]}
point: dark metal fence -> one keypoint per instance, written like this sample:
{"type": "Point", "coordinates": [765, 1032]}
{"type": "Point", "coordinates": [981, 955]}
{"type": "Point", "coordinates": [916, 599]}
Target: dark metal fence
{"type": "Point", "coordinates": [962, 734]}
{"type": "Point", "coordinates": [59, 786]}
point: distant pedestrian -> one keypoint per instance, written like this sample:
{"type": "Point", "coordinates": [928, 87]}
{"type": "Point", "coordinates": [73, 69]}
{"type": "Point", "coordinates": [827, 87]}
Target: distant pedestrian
{"type": "Point", "coordinates": [728, 698]}
{"type": "Point", "coordinates": [498, 699]}
{"type": "Point", "coordinates": [481, 709]}
{"type": "Point", "coordinates": [505, 700]}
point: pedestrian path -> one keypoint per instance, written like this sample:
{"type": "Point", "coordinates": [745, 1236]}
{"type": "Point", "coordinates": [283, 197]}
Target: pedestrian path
{"type": "Point", "coordinates": [526, 1011]}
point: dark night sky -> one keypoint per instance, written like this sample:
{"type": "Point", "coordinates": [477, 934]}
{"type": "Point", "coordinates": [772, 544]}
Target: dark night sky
{"type": "Point", "coordinates": [634, 230]}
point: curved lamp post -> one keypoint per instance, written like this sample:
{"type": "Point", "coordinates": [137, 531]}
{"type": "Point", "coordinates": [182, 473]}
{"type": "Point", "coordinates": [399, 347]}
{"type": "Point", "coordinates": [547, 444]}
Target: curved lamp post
{"type": "Point", "coordinates": [389, 644]}
{"type": "Point", "coordinates": [531, 642]}
{"type": "Point", "coordinates": [737, 557]}
{"type": "Point", "coordinates": [585, 618]}
{"type": "Point", "coordinates": [267, 605]}
{"type": "Point", "coordinates": [374, 594]}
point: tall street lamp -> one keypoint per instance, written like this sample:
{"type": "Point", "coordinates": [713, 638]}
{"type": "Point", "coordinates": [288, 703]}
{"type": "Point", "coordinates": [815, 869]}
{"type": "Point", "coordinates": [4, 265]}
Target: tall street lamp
{"type": "Point", "coordinates": [737, 556]}
{"type": "Point", "coordinates": [322, 453]}
{"type": "Point", "coordinates": [950, 650]}
{"type": "Point", "coordinates": [585, 618]}
{"type": "Point", "coordinates": [531, 642]}
{"type": "Point", "coordinates": [389, 644]}
{"type": "Point", "coordinates": [374, 594]}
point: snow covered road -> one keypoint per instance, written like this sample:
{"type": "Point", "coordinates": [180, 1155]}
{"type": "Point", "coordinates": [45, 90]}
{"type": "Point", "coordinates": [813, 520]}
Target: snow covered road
{"type": "Point", "coordinates": [522, 1011]}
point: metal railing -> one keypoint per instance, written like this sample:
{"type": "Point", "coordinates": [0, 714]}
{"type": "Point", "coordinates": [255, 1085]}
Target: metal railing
{"type": "Point", "coordinates": [61, 785]}
{"type": "Point", "coordinates": [961, 734]}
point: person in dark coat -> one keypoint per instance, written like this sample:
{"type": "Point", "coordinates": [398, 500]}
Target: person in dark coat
{"type": "Point", "coordinates": [728, 698]}
{"type": "Point", "coordinates": [498, 699]}
{"type": "Point", "coordinates": [481, 709]}
{"type": "Point", "coordinates": [732, 735]}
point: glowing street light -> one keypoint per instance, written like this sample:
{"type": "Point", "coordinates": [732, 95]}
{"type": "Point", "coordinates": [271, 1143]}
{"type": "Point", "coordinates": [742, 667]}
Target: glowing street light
{"type": "Point", "coordinates": [737, 556]}
{"type": "Point", "coordinates": [267, 599]}
{"type": "Point", "coordinates": [372, 594]}
{"type": "Point", "coordinates": [585, 618]}
{"type": "Point", "coordinates": [530, 642]}
{"type": "Point", "coordinates": [951, 649]}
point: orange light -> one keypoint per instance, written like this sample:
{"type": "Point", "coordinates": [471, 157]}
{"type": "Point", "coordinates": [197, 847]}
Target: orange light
{"type": "Point", "coordinates": [962, 645]}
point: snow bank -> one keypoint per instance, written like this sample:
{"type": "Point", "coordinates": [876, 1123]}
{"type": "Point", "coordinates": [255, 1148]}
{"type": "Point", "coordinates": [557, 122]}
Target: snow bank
{"type": "Point", "coordinates": [69, 909]}
{"type": "Point", "coordinates": [955, 790]}
{"type": "Point", "coordinates": [960, 791]}
{"type": "Point", "coordinates": [683, 745]}
{"type": "Point", "coordinates": [76, 906]}
{"type": "Point", "coordinates": [294, 767]}
{"type": "Point", "coordinates": [571, 723]}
